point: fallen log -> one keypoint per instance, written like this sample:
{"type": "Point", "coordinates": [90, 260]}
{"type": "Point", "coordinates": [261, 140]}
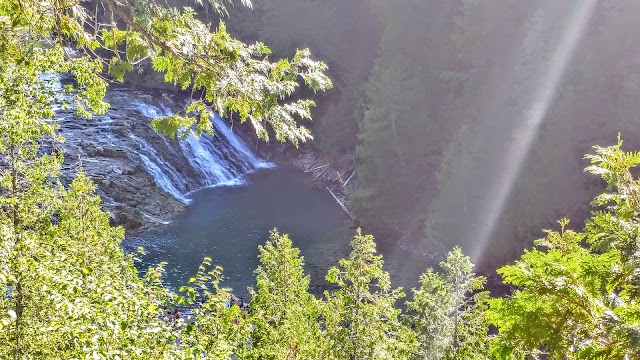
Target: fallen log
{"type": "Point", "coordinates": [312, 164]}
{"type": "Point", "coordinates": [320, 173]}
{"type": "Point", "coordinates": [346, 182]}
{"type": "Point", "coordinates": [341, 204]}
{"type": "Point", "coordinates": [317, 168]}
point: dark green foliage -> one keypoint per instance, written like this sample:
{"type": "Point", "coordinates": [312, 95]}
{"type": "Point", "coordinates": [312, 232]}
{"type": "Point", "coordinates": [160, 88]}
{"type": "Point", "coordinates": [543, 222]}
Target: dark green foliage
{"type": "Point", "coordinates": [399, 139]}
{"type": "Point", "coordinates": [361, 319]}
{"type": "Point", "coordinates": [448, 318]}
{"type": "Point", "coordinates": [577, 292]}
{"type": "Point", "coordinates": [463, 76]}
{"type": "Point", "coordinates": [391, 154]}
{"type": "Point", "coordinates": [501, 53]}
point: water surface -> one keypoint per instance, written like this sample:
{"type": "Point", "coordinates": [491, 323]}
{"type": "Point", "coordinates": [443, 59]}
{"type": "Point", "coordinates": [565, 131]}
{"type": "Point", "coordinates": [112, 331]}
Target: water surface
{"type": "Point", "coordinates": [228, 223]}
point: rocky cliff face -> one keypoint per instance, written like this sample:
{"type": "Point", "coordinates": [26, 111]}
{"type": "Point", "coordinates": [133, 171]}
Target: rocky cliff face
{"type": "Point", "coordinates": [143, 177]}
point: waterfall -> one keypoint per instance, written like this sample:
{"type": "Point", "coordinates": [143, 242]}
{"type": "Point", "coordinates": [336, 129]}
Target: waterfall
{"type": "Point", "coordinates": [177, 168]}
{"type": "Point", "coordinates": [164, 174]}
{"type": "Point", "coordinates": [213, 168]}
{"type": "Point", "coordinates": [238, 144]}
{"type": "Point", "coordinates": [149, 110]}
{"type": "Point", "coordinates": [221, 160]}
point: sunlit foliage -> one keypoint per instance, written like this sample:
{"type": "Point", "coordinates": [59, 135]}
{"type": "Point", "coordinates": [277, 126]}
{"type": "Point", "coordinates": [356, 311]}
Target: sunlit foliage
{"type": "Point", "coordinates": [448, 313]}
{"type": "Point", "coordinates": [284, 313]}
{"type": "Point", "coordinates": [67, 290]}
{"type": "Point", "coordinates": [578, 292]}
{"type": "Point", "coordinates": [223, 73]}
{"type": "Point", "coordinates": [361, 318]}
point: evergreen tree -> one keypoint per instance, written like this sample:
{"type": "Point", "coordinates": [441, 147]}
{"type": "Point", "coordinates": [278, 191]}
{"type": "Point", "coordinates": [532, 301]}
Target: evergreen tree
{"type": "Point", "coordinates": [574, 301]}
{"type": "Point", "coordinates": [284, 313]}
{"type": "Point", "coordinates": [449, 322]}
{"type": "Point", "coordinates": [392, 136]}
{"type": "Point", "coordinates": [360, 318]}
{"type": "Point", "coordinates": [217, 331]}
{"type": "Point", "coordinates": [67, 289]}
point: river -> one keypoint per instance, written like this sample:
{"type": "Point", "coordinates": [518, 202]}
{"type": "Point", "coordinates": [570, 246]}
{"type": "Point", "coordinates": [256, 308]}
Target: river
{"type": "Point", "coordinates": [227, 223]}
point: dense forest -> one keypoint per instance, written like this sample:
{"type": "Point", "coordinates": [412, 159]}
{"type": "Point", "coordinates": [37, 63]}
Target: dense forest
{"type": "Point", "coordinates": [429, 97]}
{"type": "Point", "coordinates": [468, 123]}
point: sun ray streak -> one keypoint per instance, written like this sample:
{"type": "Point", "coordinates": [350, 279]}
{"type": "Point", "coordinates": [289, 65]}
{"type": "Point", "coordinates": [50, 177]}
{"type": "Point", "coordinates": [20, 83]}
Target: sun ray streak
{"type": "Point", "coordinates": [529, 125]}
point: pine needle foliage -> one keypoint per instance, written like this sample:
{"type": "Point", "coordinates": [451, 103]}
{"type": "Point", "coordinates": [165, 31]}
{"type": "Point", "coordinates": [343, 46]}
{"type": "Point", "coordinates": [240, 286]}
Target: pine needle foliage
{"type": "Point", "coordinates": [361, 318]}
{"type": "Point", "coordinates": [578, 292]}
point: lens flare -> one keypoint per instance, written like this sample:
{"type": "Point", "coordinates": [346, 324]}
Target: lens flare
{"type": "Point", "coordinates": [528, 126]}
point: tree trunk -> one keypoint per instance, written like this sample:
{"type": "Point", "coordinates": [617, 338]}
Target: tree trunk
{"type": "Point", "coordinates": [456, 316]}
{"type": "Point", "coordinates": [205, 5]}
{"type": "Point", "coordinates": [392, 117]}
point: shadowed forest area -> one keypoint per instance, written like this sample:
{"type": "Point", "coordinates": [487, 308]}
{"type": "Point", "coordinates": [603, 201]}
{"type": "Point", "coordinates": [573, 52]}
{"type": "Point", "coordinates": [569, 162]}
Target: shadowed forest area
{"type": "Point", "coordinates": [428, 96]}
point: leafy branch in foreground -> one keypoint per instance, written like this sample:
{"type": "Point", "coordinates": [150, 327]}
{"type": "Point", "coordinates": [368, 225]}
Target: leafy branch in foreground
{"type": "Point", "coordinates": [224, 74]}
{"type": "Point", "coordinates": [577, 293]}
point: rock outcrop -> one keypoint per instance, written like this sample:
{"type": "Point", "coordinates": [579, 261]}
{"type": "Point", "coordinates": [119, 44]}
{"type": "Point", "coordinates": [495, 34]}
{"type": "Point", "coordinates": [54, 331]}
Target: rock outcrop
{"type": "Point", "coordinates": [142, 176]}
{"type": "Point", "coordinates": [104, 147]}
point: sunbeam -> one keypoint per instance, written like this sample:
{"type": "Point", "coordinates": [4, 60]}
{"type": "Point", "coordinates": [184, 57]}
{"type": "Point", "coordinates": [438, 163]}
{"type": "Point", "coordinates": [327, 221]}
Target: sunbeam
{"type": "Point", "coordinates": [528, 126]}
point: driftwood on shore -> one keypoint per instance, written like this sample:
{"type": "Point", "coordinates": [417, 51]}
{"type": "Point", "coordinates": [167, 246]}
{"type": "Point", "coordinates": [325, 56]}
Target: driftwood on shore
{"type": "Point", "coordinates": [330, 174]}
{"type": "Point", "coordinates": [341, 203]}
{"type": "Point", "coordinates": [319, 174]}
{"type": "Point", "coordinates": [317, 168]}
{"type": "Point", "coordinates": [349, 179]}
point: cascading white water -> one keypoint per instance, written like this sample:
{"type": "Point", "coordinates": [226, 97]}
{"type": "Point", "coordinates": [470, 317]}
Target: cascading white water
{"type": "Point", "coordinates": [149, 110]}
{"type": "Point", "coordinates": [176, 168]}
{"type": "Point", "coordinates": [238, 144]}
{"type": "Point", "coordinates": [213, 169]}
{"type": "Point", "coordinates": [221, 160]}
{"type": "Point", "coordinates": [165, 175]}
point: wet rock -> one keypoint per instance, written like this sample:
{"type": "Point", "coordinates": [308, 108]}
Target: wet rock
{"type": "Point", "coordinates": [126, 217]}
{"type": "Point", "coordinates": [104, 149]}
{"type": "Point", "coordinates": [108, 152]}
{"type": "Point", "coordinates": [131, 164]}
{"type": "Point", "coordinates": [114, 219]}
